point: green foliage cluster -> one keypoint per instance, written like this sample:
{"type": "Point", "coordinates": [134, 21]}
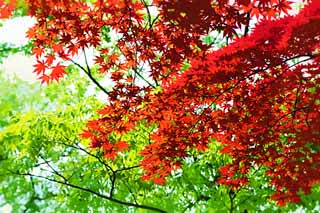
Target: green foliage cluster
{"type": "Point", "coordinates": [7, 49]}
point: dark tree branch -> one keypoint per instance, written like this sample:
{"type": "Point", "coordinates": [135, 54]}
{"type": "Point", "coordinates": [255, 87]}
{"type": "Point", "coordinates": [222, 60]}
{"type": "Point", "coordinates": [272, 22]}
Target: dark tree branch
{"type": "Point", "coordinates": [155, 19]}
{"type": "Point", "coordinates": [87, 152]}
{"type": "Point", "coordinates": [246, 29]}
{"type": "Point", "coordinates": [148, 13]}
{"type": "Point", "coordinates": [296, 102]}
{"type": "Point", "coordinates": [131, 192]}
{"type": "Point", "coordinates": [113, 182]}
{"type": "Point", "coordinates": [127, 168]}
{"type": "Point", "coordinates": [93, 192]}
{"type": "Point", "coordinates": [89, 74]}
{"type": "Point", "coordinates": [53, 170]}
{"type": "Point", "coordinates": [86, 61]}
{"type": "Point", "coordinates": [232, 195]}
{"type": "Point", "coordinates": [143, 78]}
{"type": "Point", "coordinates": [136, 45]}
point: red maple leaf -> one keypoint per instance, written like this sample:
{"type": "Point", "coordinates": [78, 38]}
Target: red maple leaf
{"type": "Point", "coordinates": [45, 79]}
{"type": "Point", "coordinates": [40, 67]}
{"type": "Point", "coordinates": [122, 145]}
{"type": "Point", "coordinates": [38, 51]}
{"type": "Point", "coordinates": [58, 72]}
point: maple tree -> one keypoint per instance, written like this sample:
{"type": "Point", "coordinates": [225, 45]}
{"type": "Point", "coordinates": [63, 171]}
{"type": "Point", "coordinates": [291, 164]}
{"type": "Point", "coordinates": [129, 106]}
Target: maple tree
{"type": "Point", "coordinates": [45, 166]}
{"type": "Point", "coordinates": [257, 95]}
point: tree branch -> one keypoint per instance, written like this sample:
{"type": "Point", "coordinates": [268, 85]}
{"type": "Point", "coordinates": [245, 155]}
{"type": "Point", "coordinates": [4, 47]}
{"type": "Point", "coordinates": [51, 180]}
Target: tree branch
{"type": "Point", "coordinates": [54, 171]}
{"type": "Point", "coordinates": [232, 195]}
{"type": "Point", "coordinates": [136, 46]}
{"type": "Point", "coordinates": [93, 192]}
{"type": "Point", "coordinates": [90, 154]}
{"type": "Point", "coordinates": [130, 191]}
{"type": "Point", "coordinates": [89, 74]}
{"type": "Point", "coordinates": [113, 182]}
{"type": "Point", "coordinates": [126, 168]}
{"type": "Point", "coordinates": [148, 12]}
{"type": "Point", "coordinates": [246, 29]}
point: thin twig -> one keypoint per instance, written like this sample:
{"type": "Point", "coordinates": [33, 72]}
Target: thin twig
{"type": "Point", "coordinates": [89, 74]}
{"type": "Point", "coordinates": [127, 168]}
{"type": "Point", "coordinates": [148, 12]}
{"type": "Point", "coordinates": [53, 169]}
{"type": "Point", "coordinates": [90, 154]}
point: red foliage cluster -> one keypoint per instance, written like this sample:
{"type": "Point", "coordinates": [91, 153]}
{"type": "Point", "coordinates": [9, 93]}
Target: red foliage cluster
{"type": "Point", "coordinates": [7, 8]}
{"type": "Point", "coordinates": [258, 96]}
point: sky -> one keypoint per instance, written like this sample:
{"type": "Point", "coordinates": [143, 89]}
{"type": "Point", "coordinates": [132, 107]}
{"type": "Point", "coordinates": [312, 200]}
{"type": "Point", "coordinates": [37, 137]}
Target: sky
{"type": "Point", "coordinates": [13, 31]}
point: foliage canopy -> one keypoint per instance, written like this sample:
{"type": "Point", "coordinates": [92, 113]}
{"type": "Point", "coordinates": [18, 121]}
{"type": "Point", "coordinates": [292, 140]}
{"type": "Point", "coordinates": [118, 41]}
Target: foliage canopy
{"type": "Point", "coordinates": [206, 110]}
